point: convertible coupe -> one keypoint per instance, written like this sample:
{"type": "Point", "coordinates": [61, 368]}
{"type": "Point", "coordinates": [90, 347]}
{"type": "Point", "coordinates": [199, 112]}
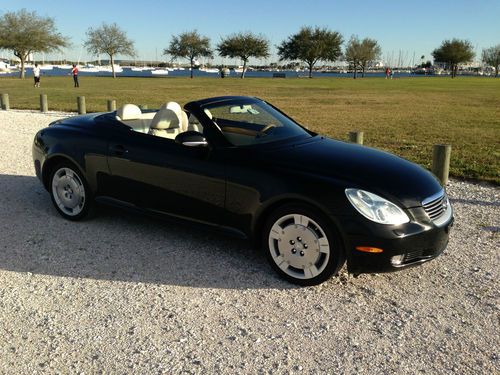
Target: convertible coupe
{"type": "Point", "coordinates": [241, 165]}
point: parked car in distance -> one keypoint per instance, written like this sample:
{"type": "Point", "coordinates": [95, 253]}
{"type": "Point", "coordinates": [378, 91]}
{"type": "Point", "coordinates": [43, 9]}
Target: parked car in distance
{"type": "Point", "coordinates": [242, 165]}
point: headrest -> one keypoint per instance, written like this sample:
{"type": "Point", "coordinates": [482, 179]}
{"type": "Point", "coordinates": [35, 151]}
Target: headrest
{"type": "Point", "coordinates": [165, 119]}
{"type": "Point", "coordinates": [129, 112]}
{"type": "Point", "coordinates": [173, 106]}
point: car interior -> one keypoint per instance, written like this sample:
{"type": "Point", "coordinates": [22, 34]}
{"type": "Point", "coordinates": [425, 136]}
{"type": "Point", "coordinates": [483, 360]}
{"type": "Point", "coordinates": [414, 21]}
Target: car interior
{"type": "Point", "coordinates": [242, 125]}
{"type": "Point", "coordinates": [169, 121]}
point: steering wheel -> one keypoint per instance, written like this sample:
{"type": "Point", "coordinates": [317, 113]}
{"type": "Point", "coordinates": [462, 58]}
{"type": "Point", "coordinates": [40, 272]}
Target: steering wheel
{"type": "Point", "coordinates": [266, 128]}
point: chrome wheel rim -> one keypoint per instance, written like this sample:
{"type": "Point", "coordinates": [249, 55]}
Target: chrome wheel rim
{"type": "Point", "coordinates": [68, 191]}
{"type": "Point", "coordinates": [299, 246]}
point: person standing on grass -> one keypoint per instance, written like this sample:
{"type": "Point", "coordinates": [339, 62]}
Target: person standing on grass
{"type": "Point", "coordinates": [74, 71]}
{"type": "Point", "coordinates": [36, 75]}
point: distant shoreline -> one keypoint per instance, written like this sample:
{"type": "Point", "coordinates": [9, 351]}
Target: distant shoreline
{"type": "Point", "coordinates": [175, 73]}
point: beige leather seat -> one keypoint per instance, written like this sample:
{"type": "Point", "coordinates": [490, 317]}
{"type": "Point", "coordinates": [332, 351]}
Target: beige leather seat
{"type": "Point", "coordinates": [131, 115]}
{"type": "Point", "coordinates": [194, 124]}
{"type": "Point", "coordinates": [174, 106]}
{"type": "Point", "coordinates": [166, 124]}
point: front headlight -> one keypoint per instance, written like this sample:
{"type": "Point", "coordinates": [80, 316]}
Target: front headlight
{"type": "Point", "coordinates": [376, 208]}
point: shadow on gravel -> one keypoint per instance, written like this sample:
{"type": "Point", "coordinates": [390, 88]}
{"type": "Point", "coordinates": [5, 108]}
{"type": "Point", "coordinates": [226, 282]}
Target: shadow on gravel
{"type": "Point", "coordinates": [121, 246]}
{"type": "Point", "coordinates": [475, 202]}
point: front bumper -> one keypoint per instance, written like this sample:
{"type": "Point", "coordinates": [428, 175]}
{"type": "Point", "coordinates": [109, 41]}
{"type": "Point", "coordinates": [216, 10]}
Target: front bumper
{"type": "Point", "coordinates": [409, 245]}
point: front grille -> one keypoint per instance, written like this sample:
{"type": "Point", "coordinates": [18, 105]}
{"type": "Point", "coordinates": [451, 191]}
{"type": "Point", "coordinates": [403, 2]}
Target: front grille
{"type": "Point", "coordinates": [435, 207]}
{"type": "Point", "coordinates": [413, 256]}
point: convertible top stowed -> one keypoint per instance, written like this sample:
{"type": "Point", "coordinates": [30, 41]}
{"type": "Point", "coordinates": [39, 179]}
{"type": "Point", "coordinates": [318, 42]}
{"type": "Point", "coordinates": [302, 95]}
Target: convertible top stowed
{"type": "Point", "coordinates": [240, 164]}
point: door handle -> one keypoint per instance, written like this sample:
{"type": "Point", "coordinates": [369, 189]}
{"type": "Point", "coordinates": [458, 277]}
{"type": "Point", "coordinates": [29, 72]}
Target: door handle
{"type": "Point", "coordinates": [118, 149]}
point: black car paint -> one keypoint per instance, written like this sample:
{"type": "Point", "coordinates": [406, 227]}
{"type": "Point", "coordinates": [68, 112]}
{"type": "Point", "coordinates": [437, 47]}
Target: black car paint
{"type": "Point", "coordinates": [236, 187]}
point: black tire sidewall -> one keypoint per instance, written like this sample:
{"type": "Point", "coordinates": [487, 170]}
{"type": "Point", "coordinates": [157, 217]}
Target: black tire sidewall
{"type": "Point", "coordinates": [337, 252]}
{"type": "Point", "coordinates": [88, 198]}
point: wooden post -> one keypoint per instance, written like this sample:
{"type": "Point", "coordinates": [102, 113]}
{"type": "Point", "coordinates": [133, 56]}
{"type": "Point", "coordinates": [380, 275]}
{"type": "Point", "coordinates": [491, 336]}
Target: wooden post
{"type": "Point", "coordinates": [111, 105]}
{"type": "Point", "coordinates": [44, 107]}
{"type": "Point", "coordinates": [81, 105]}
{"type": "Point", "coordinates": [143, 106]}
{"type": "Point", "coordinates": [356, 137]}
{"type": "Point", "coordinates": [441, 162]}
{"type": "Point", "coordinates": [5, 102]}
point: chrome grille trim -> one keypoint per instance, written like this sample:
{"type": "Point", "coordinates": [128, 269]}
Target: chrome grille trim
{"type": "Point", "coordinates": [438, 208]}
{"type": "Point", "coordinates": [433, 197]}
{"type": "Point", "coordinates": [435, 208]}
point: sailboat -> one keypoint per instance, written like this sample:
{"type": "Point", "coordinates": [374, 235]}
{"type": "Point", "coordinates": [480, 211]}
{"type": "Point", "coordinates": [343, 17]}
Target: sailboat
{"type": "Point", "coordinates": [89, 68]}
{"type": "Point", "coordinates": [210, 70]}
{"type": "Point", "coordinates": [109, 69]}
{"type": "Point", "coordinates": [160, 72]}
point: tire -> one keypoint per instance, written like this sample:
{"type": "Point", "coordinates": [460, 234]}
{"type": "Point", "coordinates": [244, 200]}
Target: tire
{"type": "Point", "coordinates": [301, 245]}
{"type": "Point", "coordinates": [70, 193]}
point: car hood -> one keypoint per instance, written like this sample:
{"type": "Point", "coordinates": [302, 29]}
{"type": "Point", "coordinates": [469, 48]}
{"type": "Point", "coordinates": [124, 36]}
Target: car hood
{"type": "Point", "coordinates": [359, 166]}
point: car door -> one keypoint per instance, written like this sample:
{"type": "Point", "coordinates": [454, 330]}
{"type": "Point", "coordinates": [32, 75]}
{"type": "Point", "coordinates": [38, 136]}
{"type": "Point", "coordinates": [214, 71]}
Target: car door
{"type": "Point", "coordinates": [161, 175]}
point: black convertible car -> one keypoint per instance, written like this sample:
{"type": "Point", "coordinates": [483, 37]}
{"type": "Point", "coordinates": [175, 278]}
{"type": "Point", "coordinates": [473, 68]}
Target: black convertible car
{"type": "Point", "coordinates": [240, 164]}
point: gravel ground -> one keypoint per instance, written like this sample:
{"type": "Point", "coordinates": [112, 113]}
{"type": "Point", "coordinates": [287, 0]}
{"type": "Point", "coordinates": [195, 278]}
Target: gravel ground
{"type": "Point", "coordinates": [123, 293]}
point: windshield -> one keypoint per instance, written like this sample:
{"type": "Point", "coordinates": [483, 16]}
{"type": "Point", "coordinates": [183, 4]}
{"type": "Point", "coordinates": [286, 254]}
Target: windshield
{"type": "Point", "coordinates": [252, 123]}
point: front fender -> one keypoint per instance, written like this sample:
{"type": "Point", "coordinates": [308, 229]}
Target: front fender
{"type": "Point", "coordinates": [86, 151]}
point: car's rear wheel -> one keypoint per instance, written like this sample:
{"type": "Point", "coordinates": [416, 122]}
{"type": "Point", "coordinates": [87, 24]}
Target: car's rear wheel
{"type": "Point", "coordinates": [69, 192]}
{"type": "Point", "coordinates": [302, 246]}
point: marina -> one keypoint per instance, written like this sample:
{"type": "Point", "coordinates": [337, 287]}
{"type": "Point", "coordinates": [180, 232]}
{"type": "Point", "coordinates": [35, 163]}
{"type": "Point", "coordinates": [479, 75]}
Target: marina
{"type": "Point", "coordinates": [162, 72]}
{"type": "Point", "coordinates": [89, 69]}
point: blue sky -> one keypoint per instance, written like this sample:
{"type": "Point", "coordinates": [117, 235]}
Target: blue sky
{"type": "Point", "coordinates": [412, 27]}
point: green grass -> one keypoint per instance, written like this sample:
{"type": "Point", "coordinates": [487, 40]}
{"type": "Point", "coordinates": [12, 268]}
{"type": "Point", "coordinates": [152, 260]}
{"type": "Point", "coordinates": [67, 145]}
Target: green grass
{"type": "Point", "coordinates": [405, 116]}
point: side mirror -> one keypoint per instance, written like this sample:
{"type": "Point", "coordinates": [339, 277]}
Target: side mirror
{"type": "Point", "coordinates": [191, 139]}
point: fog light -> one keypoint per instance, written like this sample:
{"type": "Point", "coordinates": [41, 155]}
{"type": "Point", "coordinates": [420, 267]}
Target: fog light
{"type": "Point", "coordinates": [397, 260]}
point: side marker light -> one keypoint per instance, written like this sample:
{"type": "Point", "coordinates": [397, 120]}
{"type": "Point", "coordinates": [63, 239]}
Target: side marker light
{"type": "Point", "coordinates": [369, 249]}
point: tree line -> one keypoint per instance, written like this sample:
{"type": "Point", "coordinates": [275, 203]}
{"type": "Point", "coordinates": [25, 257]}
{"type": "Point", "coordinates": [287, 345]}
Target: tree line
{"type": "Point", "coordinates": [25, 32]}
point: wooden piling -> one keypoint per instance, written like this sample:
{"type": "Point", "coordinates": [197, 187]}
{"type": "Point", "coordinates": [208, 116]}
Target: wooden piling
{"type": "Point", "coordinates": [441, 162]}
{"type": "Point", "coordinates": [81, 105]}
{"type": "Point", "coordinates": [5, 102]}
{"type": "Point", "coordinates": [44, 106]}
{"type": "Point", "coordinates": [111, 105]}
{"type": "Point", "coordinates": [356, 137]}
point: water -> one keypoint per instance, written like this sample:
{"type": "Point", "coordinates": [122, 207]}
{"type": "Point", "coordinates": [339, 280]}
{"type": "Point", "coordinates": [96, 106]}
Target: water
{"type": "Point", "coordinates": [128, 72]}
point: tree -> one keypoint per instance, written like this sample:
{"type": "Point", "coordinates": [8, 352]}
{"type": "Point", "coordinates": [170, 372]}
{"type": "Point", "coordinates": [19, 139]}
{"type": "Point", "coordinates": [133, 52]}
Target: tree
{"type": "Point", "coordinates": [311, 45]}
{"type": "Point", "coordinates": [491, 56]}
{"type": "Point", "coordinates": [244, 46]}
{"type": "Point", "coordinates": [25, 32]}
{"type": "Point", "coordinates": [111, 40]}
{"type": "Point", "coordinates": [426, 64]}
{"type": "Point", "coordinates": [360, 53]}
{"type": "Point", "coordinates": [353, 53]}
{"type": "Point", "coordinates": [454, 52]}
{"type": "Point", "coordinates": [189, 45]}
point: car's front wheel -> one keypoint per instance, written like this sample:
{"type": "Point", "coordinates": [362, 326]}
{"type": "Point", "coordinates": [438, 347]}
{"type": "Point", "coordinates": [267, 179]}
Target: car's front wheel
{"type": "Point", "coordinates": [302, 245]}
{"type": "Point", "coordinates": [69, 192]}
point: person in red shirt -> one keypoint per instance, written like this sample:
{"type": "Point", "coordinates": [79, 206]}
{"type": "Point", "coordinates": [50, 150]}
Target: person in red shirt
{"type": "Point", "coordinates": [74, 71]}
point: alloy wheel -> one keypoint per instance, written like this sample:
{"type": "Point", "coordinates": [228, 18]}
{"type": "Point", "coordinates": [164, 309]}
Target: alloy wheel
{"type": "Point", "coordinates": [68, 191]}
{"type": "Point", "coordinates": [299, 246]}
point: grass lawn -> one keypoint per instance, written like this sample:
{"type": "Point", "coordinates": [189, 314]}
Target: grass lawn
{"type": "Point", "coordinates": [405, 116]}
